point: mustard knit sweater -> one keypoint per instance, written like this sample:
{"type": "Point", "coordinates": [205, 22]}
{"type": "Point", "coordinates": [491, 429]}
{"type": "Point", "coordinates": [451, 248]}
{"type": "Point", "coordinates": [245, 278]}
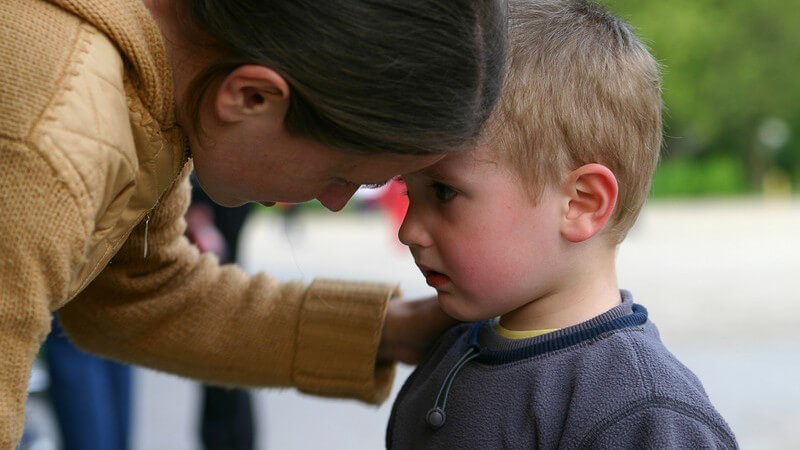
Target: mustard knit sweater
{"type": "Point", "coordinates": [89, 152]}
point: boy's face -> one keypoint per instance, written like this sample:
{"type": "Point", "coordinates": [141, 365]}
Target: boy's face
{"type": "Point", "coordinates": [478, 238]}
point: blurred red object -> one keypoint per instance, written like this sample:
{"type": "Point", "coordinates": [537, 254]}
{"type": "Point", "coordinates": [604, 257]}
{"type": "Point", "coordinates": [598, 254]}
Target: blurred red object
{"type": "Point", "coordinates": [202, 232]}
{"type": "Point", "coordinates": [395, 202]}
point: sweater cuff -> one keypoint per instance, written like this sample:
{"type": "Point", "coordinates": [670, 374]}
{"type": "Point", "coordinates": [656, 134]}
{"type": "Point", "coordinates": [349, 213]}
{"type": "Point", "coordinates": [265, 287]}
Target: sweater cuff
{"type": "Point", "coordinates": [338, 334]}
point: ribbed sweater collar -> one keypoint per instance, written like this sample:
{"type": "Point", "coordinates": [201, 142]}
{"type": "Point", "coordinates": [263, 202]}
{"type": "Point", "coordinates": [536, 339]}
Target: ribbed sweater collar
{"type": "Point", "coordinates": [129, 25]}
{"type": "Point", "coordinates": [496, 349]}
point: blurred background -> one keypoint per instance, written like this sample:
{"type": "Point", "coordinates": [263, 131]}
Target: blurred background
{"type": "Point", "coordinates": [731, 92]}
{"type": "Point", "coordinates": [715, 255]}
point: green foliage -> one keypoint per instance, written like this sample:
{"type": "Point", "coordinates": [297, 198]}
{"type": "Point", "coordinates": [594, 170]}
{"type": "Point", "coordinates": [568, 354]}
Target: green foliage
{"type": "Point", "coordinates": [728, 67]}
{"type": "Point", "coordinates": [715, 175]}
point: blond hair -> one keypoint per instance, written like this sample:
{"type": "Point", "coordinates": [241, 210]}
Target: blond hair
{"type": "Point", "coordinates": [581, 88]}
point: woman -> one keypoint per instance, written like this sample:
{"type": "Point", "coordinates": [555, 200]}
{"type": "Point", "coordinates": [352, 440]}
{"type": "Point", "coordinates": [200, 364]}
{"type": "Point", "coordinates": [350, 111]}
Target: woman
{"type": "Point", "coordinates": [104, 103]}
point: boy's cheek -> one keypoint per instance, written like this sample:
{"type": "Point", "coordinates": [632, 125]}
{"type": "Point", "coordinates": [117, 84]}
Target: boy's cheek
{"type": "Point", "coordinates": [486, 276]}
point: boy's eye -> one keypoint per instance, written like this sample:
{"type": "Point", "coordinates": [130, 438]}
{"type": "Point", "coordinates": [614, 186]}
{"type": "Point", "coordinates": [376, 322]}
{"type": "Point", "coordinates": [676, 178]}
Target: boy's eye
{"type": "Point", "coordinates": [443, 192]}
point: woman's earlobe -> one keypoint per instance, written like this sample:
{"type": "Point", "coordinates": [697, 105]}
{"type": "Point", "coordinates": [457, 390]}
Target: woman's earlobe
{"type": "Point", "coordinates": [591, 192]}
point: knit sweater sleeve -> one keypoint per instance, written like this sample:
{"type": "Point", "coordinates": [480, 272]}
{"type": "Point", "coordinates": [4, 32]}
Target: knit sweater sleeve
{"type": "Point", "coordinates": [662, 423]}
{"type": "Point", "coordinates": [42, 236]}
{"type": "Point", "coordinates": [179, 311]}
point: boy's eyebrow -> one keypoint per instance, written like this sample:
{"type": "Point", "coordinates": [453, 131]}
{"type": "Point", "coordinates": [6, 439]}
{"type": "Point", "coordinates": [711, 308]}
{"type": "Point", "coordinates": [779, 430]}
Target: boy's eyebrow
{"type": "Point", "coordinates": [433, 172]}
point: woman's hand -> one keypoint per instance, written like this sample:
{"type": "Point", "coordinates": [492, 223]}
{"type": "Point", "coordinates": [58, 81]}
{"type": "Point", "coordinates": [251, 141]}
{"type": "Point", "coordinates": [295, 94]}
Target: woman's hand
{"type": "Point", "coordinates": [410, 328]}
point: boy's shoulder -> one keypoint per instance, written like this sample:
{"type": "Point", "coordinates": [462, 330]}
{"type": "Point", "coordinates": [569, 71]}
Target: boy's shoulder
{"type": "Point", "coordinates": [645, 393]}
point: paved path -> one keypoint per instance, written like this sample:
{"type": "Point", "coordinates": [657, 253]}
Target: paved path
{"type": "Point", "coordinates": [719, 278]}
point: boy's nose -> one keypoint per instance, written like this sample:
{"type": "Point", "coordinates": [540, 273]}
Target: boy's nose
{"type": "Point", "coordinates": [411, 232]}
{"type": "Point", "coordinates": [335, 196]}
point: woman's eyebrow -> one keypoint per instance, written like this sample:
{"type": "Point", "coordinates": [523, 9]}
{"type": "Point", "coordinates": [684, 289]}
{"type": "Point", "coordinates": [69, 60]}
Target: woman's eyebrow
{"type": "Point", "coordinates": [368, 185]}
{"type": "Point", "coordinates": [376, 185]}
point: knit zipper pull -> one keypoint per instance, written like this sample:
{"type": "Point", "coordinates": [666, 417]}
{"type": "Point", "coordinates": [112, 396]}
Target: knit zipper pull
{"type": "Point", "coordinates": [146, 228]}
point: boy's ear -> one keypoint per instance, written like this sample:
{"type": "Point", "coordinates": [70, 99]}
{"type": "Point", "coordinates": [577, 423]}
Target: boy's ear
{"type": "Point", "coordinates": [252, 91]}
{"type": "Point", "coordinates": [590, 195]}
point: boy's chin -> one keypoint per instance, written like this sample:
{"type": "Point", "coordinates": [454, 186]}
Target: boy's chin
{"type": "Point", "coordinates": [458, 309]}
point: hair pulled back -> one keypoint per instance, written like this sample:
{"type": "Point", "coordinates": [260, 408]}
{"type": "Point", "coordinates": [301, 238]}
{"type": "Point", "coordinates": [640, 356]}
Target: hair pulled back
{"type": "Point", "coordinates": [411, 76]}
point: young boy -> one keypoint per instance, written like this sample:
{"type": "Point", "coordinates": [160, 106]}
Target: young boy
{"type": "Point", "coordinates": [525, 227]}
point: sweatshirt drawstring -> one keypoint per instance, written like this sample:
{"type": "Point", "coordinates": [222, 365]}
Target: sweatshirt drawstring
{"type": "Point", "coordinates": [436, 416]}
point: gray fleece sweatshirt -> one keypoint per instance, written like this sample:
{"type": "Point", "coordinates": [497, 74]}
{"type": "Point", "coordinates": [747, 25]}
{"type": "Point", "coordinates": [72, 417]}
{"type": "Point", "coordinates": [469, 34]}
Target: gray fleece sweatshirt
{"type": "Point", "coordinates": [605, 383]}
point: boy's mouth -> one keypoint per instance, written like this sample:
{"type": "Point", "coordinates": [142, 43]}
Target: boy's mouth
{"type": "Point", "coordinates": [433, 278]}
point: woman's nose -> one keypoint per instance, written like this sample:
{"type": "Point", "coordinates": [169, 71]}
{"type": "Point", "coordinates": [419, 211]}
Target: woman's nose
{"type": "Point", "coordinates": [335, 196]}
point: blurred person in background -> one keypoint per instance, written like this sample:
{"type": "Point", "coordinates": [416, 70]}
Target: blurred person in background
{"type": "Point", "coordinates": [105, 107]}
{"type": "Point", "coordinates": [91, 396]}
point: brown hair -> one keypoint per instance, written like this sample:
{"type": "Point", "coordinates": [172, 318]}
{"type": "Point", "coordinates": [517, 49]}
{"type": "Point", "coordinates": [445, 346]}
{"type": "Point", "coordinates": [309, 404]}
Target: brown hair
{"type": "Point", "coordinates": [581, 88]}
{"type": "Point", "coordinates": [415, 76]}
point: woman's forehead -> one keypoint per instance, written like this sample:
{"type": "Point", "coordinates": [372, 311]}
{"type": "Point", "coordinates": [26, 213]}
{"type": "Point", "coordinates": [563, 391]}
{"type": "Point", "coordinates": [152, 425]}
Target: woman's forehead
{"type": "Point", "coordinates": [377, 168]}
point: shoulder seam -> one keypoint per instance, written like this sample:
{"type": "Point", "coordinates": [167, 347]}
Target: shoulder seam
{"type": "Point", "coordinates": [644, 372]}
{"type": "Point", "coordinates": [78, 46]}
{"type": "Point", "coordinates": [677, 406]}
{"type": "Point", "coordinates": [57, 173]}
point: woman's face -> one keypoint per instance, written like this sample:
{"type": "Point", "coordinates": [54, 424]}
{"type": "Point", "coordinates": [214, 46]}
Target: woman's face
{"type": "Point", "coordinates": [266, 166]}
{"type": "Point", "coordinates": [246, 153]}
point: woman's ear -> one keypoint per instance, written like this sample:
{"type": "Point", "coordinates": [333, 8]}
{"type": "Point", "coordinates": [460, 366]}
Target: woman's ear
{"type": "Point", "coordinates": [590, 194]}
{"type": "Point", "coordinates": [252, 91]}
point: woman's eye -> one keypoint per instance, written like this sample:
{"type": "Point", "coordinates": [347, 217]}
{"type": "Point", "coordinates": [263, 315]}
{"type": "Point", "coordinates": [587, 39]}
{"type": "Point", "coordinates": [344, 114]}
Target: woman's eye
{"type": "Point", "coordinates": [443, 192]}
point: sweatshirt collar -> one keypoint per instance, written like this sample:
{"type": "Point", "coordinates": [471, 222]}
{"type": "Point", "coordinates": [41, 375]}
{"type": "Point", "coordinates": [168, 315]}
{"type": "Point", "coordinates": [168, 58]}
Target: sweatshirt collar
{"type": "Point", "coordinates": [129, 25]}
{"type": "Point", "coordinates": [496, 349]}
